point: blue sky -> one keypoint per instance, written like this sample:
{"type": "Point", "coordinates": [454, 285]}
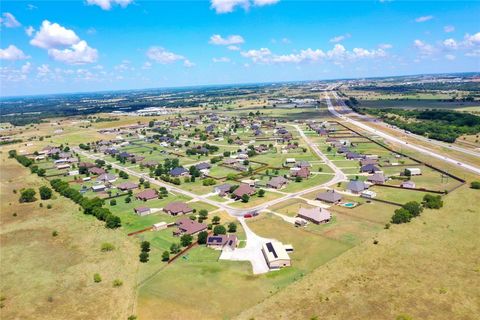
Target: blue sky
{"type": "Point", "coordinates": [91, 45]}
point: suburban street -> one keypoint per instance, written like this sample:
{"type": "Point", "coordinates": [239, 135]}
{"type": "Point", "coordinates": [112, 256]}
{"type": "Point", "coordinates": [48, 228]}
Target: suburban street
{"type": "Point", "coordinates": [422, 150]}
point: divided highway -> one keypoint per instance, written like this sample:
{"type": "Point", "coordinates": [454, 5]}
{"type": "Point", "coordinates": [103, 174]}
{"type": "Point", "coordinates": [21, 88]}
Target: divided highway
{"type": "Point", "coordinates": [386, 136]}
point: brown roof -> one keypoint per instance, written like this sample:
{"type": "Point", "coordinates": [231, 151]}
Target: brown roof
{"type": "Point", "coordinates": [97, 171]}
{"type": "Point", "coordinates": [177, 207]}
{"type": "Point", "coordinates": [127, 186]}
{"type": "Point", "coordinates": [188, 226]}
{"type": "Point", "coordinates": [86, 164]}
{"type": "Point", "coordinates": [147, 194]}
{"type": "Point", "coordinates": [244, 189]}
{"type": "Point", "coordinates": [302, 173]}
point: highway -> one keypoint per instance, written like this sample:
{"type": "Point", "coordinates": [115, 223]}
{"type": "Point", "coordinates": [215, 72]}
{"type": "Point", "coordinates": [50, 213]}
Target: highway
{"type": "Point", "coordinates": [391, 138]}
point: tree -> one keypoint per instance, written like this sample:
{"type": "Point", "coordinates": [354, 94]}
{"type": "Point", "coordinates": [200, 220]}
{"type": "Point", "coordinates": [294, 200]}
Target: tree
{"type": "Point", "coordinates": [219, 229]}
{"type": "Point", "coordinates": [165, 256]}
{"type": "Point", "coordinates": [232, 227]}
{"type": "Point", "coordinates": [432, 202]}
{"type": "Point", "coordinates": [113, 222]}
{"type": "Point", "coordinates": [245, 198]}
{"type": "Point", "coordinates": [143, 256]}
{"type": "Point", "coordinates": [203, 214]}
{"type": "Point", "coordinates": [261, 193]}
{"type": "Point", "coordinates": [113, 202]}
{"type": "Point", "coordinates": [175, 248]}
{"type": "Point", "coordinates": [475, 185]}
{"type": "Point", "coordinates": [202, 237]}
{"type": "Point", "coordinates": [413, 207]}
{"type": "Point", "coordinates": [45, 192]}
{"type": "Point", "coordinates": [216, 220]}
{"type": "Point", "coordinates": [186, 240]}
{"type": "Point", "coordinates": [401, 216]}
{"type": "Point", "coordinates": [128, 200]}
{"type": "Point", "coordinates": [145, 246]}
{"type": "Point", "coordinates": [27, 195]}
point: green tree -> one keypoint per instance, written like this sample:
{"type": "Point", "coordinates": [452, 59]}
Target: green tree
{"type": "Point", "coordinates": [202, 237]}
{"type": "Point", "coordinates": [143, 256]}
{"type": "Point", "coordinates": [113, 222]}
{"type": "Point", "coordinates": [165, 256]}
{"type": "Point", "coordinates": [245, 198]}
{"type": "Point", "coordinates": [97, 278]}
{"type": "Point", "coordinates": [432, 202]}
{"type": "Point", "coordinates": [216, 220]}
{"type": "Point", "coordinates": [413, 207]}
{"type": "Point", "coordinates": [45, 192]}
{"type": "Point", "coordinates": [113, 202]}
{"type": "Point", "coordinates": [27, 195]}
{"type": "Point", "coordinates": [401, 216]}
{"type": "Point", "coordinates": [186, 240]}
{"type": "Point", "coordinates": [145, 246]}
{"type": "Point", "coordinates": [219, 229]}
{"type": "Point", "coordinates": [232, 227]}
{"type": "Point", "coordinates": [261, 193]}
{"type": "Point", "coordinates": [475, 185]}
{"type": "Point", "coordinates": [175, 248]}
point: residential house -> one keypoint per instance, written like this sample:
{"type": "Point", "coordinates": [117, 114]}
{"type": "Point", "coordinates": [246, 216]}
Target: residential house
{"type": "Point", "coordinates": [125, 186]}
{"type": "Point", "coordinates": [178, 172]}
{"type": "Point", "coordinates": [222, 189]}
{"type": "Point", "coordinates": [142, 211]}
{"type": "Point", "coordinates": [316, 215]}
{"type": "Point", "coordinates": [356, 186]}
{"type": "Point", "coordinates": [369, 168]}
{"type": "Point", "coordinates": [377, 178]}
{"type": "Point", "coordinates": [277, 182]}
{"type": "Point", "coordinates": [175, 208]}
{"type": "Point", "coordinates": [96, 171]}
{"type": "Point", "coordinates": [330, 196]}
{"type": "Point", "coordinates": [188, 226]}
{"type": "Point", "coordinates": [408, 184]}
{"type": "Point", "coordinates": [413, 171]}
{"type": "Point", "coordinates": [98, 188]}
{"type": "Point", "coordinates": [107, 177]}
{"type": "Point", "coordinates": [147, 194]}
{"type": "Point", "coordinates": [242, 190]}
{"type": "Point", "coordinates": [222, 241]}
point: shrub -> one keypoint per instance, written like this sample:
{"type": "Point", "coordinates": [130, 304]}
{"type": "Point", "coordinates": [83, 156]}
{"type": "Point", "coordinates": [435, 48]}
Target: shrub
{"type": "Point", "coordinates": [106, 246]}
{"type": "Point", "coordinates": [165, 256]}
{"type": "Point", "coordinates": [143, 256]}
{"type": "Point", "coordinates": [97, 278]}
{"type": "Point", "coordinates": [475, 185]}
{"type": "Point", "coordinates": [145, 246]}
{"type": "Point", "coordinates": [186, 240]}
{"type": "Point", "coordinates": [113, 202]}
{"type": "Point", "coordinates": [117, 283]}
{"type": "Point", "coordinates": [45, 193]}
{"type": "Point", "coordinates": [175, 248]}
{"type": "Point", "coordinates": [54, 233]}
{"type": "Point", "coordinates": [413, 207]}
{"type": "Point", "coordinates": [232, 227]}
{"type": "Point", "coordinates": [432, 202]}
{"type": "Point", "coordinates": [27, 195]}
{"type": "Point", "coordinates": [219, 230]}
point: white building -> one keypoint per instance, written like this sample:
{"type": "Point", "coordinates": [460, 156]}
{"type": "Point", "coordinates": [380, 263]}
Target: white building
{"type": "Point", "coordinates": [275, 255]}
{"type": "Point", "coordinates": [413, 171]}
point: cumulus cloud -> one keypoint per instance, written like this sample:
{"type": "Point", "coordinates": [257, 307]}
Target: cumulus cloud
{"type": "Point", "coordinates": [449, 29]}
{"type": "Point", "coordinates": [424, 48]}
{"type": "Point", "coordinates": [340, 38]}
{"type": "Point", "coordinates": [423, 18]}
{"type": "Point", "coordinates": [29, 31]}
{"type": "Point", "coordinates": [221, 59]}
{"type": "Point", "coordinates": [233, 39]}
{"type": "Point", "coordinates": [227, 6]}
{"type": "Point", "coordinates": [107, 4]}
{"type": "Point", "coordinates": [79, 53]}
{"type": "Point", "coordinates": [450, 44]}
{"type": "Point", "coordinates": [12, 53]}
{"type": "Point", "coordinates": [163, 56]}
{"type": "Point", "coordinates": [52, 35]}
{"type": "Point", "coordinates": [336, 54]}
{"type": "Point", "coordinates": [9, 20]}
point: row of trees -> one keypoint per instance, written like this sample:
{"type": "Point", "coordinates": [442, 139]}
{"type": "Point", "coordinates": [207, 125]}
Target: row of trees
{"type": "Point", "coordinates": [92, 206]}
{"type": "Point", "coordinates": [413, 209]}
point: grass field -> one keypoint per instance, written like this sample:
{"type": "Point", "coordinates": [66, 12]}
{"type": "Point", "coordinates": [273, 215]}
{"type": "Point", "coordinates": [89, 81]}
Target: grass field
{"type": "Point", "coordinates": [46, 277]}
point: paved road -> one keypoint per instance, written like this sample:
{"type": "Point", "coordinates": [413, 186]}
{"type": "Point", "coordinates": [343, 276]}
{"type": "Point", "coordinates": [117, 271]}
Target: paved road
{"type": "Point", "coordinates": [422, 150]}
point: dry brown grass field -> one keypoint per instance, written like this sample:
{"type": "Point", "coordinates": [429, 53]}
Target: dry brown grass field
{"type": "Point", "coordinates": [47, 277]}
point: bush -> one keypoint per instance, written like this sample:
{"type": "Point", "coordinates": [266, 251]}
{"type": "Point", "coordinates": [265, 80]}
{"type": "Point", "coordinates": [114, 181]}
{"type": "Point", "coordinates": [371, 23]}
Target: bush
{"type": "Point", "coordinates": [413, 207]}
{"type": "Point", "coordinates": [175, 248]}
{"type": "Point", "coordinates": [97, 278]}
{"type": "Point", "coordinates": [261, 193]}
{"type": "Point", "coordinates": [106, 246]}
{"type": "Point", "coordinates": [186, 240]}
{"type": "Point", "coordinates": [143, 256]}
{"type": "Point", "coordinates": [27, 195]}
{"type": "Point", "coordinates": [145, 246]}
{"type": "Point", "coordinates": [117, 283]}
{"type": "Point", "coordinates": [54, 233]}
{"type": "Point", "coordinates": [113, 202]}
{"type": "Point", "coordinates": [165, 256]}
{"type": "Point", "coordinates": [232, 227]}
{"type": "Point", "coordinates": [475, 185]}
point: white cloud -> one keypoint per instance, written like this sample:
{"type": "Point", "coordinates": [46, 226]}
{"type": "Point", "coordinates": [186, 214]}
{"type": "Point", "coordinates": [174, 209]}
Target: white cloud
{"type": "Point", "coordinates": [472, 40]}
{"type": "Point", "coordinates": [25, 69]}
{"type": "Point", "coordinates": [450, 57]}
{"type": "Point", "coordinates": [52, 34]}
{"type": "Point", "coordinates": [449, 29]}
{"type": "Point", "coordinates": [43, 70]}
{"type": "Point", "coordinates": [423, 18]}
{"type": "Point", "coordinates": [227, 6]}
{"type": "Point", "coordinates": [187, 63]}
{"type": "Point", "coordinates": [79, 53]}
{"type": "Point", "coordinates": [147, 65]}
{"type": "Point", "coordinates": [233, 39]}
{"type": "Point", "coordinates": [163, 56]}
{"type": "Point", "coordinates": [9, 20]}
{"type": "Point", "coordinates": [221, 59]}
{"type": "Point", "coordinates": [424, 48]}
{"type": "Point", "coordinates": [450, 44]}
{"type": "Point", "coordinates": [340, 38]}
{"type": "Point", "coordinates": [107, 4]}
{"type": "Point", "coordinates": [12, 53]}
{"type": "Point", "coordinates": [385, 46]}
{"type": "Point", "coordinates": [338, 52]}
{"type": "Point", "coordinates": [233, 48]}
{"type": "Point", "coordinates": [261, 3]}
{"type": "Point", "coordinates": [29, 31]}
{"type": "Point", "coordinates": [364, 53]}
{"type": "Point", "coordinates": [261, 55]}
